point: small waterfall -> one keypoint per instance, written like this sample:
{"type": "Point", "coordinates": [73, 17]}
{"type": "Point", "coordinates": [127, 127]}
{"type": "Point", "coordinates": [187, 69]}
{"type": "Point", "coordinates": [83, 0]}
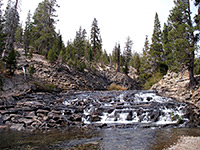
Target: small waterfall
{"type": "Point", "coordinates": [24, 70]}
{"type": "Point", "coordinates": [3, 54]}
{"type": "Point", "coordinates": [128, 107]}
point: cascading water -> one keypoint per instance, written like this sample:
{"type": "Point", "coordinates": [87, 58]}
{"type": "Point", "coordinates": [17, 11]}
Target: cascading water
{"type": "Point", "coordinates": [24, 71]}
{"type": "Point", "coordinates": [128, 107]}
{"type": "Point", "coordinates": [3, 54]}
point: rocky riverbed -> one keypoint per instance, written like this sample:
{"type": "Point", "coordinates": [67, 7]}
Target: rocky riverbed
{"type": "Point", "coordinates": [100, 109]}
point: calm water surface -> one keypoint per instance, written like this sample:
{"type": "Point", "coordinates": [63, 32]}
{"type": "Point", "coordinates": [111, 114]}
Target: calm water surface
{"type": "Point", "coordinates": [103, 139]}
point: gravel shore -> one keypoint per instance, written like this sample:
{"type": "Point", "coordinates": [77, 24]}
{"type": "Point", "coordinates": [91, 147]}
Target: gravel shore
{"type": "Point", "coordinates": [186, 143]}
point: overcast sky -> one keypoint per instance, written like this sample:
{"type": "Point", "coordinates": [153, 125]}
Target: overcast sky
{"type": "Point", "coordinates": [117, 19]}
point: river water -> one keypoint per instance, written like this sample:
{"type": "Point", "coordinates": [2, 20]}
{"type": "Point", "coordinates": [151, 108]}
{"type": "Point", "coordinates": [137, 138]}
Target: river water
{"type": "Point", "coordinates": [129, 120]}
{"type": "Point", "coordinates": [102, 139]}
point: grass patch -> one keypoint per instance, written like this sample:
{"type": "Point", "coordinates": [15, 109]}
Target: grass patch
{"type": "Point", "coordinates": [45, 87]}
{"type": "Point", "coordinates": [114, 87]}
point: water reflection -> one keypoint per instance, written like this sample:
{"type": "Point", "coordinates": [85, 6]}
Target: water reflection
{"type": "Point", "coordinates": [104, 139]}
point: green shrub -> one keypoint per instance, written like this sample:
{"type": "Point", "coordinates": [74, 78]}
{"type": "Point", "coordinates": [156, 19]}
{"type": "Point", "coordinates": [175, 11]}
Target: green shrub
{"type": "Point", "coordinates": [11, 62]}
{"type": "Point", "coordinates": [30, 55]}
{"type": "Point", "coordinates": [152, 80]}
{"type": "Point", "coordinates": [49, 87]}
{"type": "Point", "coordinates": [31, 70]}
{"type": "Point", "coordinates": [70, 62]}
{"type": "Point", "coordinates": [52, 56]}
{"type": "Point", "coordinates": [81, 66]}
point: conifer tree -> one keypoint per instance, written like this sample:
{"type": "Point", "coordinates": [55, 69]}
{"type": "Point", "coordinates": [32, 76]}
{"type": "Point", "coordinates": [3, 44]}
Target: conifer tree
{"type": "Point", "coordinates": [136, 61]}
{"type": "Point", "coordinates": [116, 56]}
{"type": "Point", "coordinates": [2, 34]}
{"type": "Point", "coordinates": [80, 42]}
{"type": "Point", "coordinates": [11, 23]}
{"type": "Point", "coordinates": [105, 57]}
{"type": "Point", "coordinates": [96, 41]}
{"type": "Point", "coordinates": [43, 29]}
{"type": "Point", "coordinates": [128, 50]}
{"type": "Point", "coordinates": [27, 33]}
{"type": "Point", "coordinates": [197, 20]}
{"type": "Point", "coordinates": [11, 62]}
{"type": "Point", "coordinates": [146, 48]}
{"type": "Point", "coordinates": [19, 34]}
{"type": "Point", "coordinates": [181, 36]}
{"type": "Point", "coordinates": [156, 50]}
{"type": "Point", "coordinates": [165, 41]}
{"type": "Point", "coordinates": [145, 62]}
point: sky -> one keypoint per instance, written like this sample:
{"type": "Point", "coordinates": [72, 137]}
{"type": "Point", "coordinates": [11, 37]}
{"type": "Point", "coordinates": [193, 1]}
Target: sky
{"type": "Point", "coordinates": [117, 19]}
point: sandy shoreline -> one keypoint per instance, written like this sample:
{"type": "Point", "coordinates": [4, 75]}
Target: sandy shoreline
{"type": "Point", "coordinates": [186, 143]}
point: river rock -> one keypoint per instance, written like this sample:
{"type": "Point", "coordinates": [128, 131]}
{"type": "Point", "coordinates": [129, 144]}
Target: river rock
{"type": "Point", "coordinates": [18, 127]}
{"type": "Point", "coordinates": [130, 116]}
{"type": "Point", "coordinates": [41, 111]}
{"type": "Point", "coordinates": [75, 117]}
{"type": "Point", "coordinates": [27, 122]}
{"type": "Point", "coordinates": [149, 98]}
{"type": "Point", "coordinates": [155, 116]}
{"type": "Point", "coordinates": [95, 118]}
{"type": "Point", "coordinates": [6, 118]}
{"type": "Point", "coordinates": [31, 115]}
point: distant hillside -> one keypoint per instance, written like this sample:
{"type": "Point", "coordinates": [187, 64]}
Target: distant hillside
{"type": "Point", "coordinates": [57, 76]}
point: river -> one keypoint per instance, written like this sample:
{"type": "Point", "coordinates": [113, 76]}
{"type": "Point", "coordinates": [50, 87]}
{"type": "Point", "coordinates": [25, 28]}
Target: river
{"type": "Point", "coordinates": [102, 139]}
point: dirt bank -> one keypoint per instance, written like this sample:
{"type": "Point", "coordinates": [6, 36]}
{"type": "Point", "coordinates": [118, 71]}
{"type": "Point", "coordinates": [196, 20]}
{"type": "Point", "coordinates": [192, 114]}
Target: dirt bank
{"type": "Point", "coordinates": [186, 143]}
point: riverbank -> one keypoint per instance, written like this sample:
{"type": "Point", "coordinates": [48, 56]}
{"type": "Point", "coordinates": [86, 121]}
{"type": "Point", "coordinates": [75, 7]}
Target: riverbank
{"type": "Point", "coordinates": [175, 85]}
{"type": "Point", "coordinates": [186, 143]}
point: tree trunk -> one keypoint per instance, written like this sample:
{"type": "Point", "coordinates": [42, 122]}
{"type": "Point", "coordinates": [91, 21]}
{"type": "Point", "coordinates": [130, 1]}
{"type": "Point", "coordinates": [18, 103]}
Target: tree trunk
{"type": "Point", "coordinates": [193, 82]}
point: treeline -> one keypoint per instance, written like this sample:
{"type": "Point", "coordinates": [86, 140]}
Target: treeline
{"type": "Point", "coordinates": [173, 48]}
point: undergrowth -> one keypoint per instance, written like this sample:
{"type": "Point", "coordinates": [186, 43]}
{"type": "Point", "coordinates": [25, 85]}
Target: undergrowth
{"type": "Point", "coordinates": [113, 87]}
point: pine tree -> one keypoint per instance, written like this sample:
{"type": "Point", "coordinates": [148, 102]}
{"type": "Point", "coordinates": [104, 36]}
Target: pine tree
{"type": "Point", "coordinates": [80, 42]}
{"type": "Point", "coordinates": [136, 61]}
{"type": "Point", "coordinates": [156, 50]}
{"type": "Point", "coordinates": [2, 34]}
{"type": "Point", "coordinates": [145, 59]}
{"type": "Point", "coordinates": [145, 62]}
{"type": "Point", "coordinates": [165, 41]}
{"type": "Point", "coordinates": [11, 23]}
{"type": "Point", "coordinates": [128, 50]}
{"type": "Point", "coordinates": [19, 34]}
{"type": "Point", "coordinates": [11, 62]}
{"type": "Point", "coordinates": [181, 36]}
{"type": "Point", "coordinates": [116, 56]}
{"type": "Point", "coordinates": [96, 40]}
{"type": "Point", "coordinates": [43, 29]}
{"type": "Point", "coordinates": [105, 57]}
{"type": "Point", "coordinates": [146, 47]}
{"type": "Point", "coordinates": [27, 33]}
{"type": "Point", "coordinates": [197, 20]}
